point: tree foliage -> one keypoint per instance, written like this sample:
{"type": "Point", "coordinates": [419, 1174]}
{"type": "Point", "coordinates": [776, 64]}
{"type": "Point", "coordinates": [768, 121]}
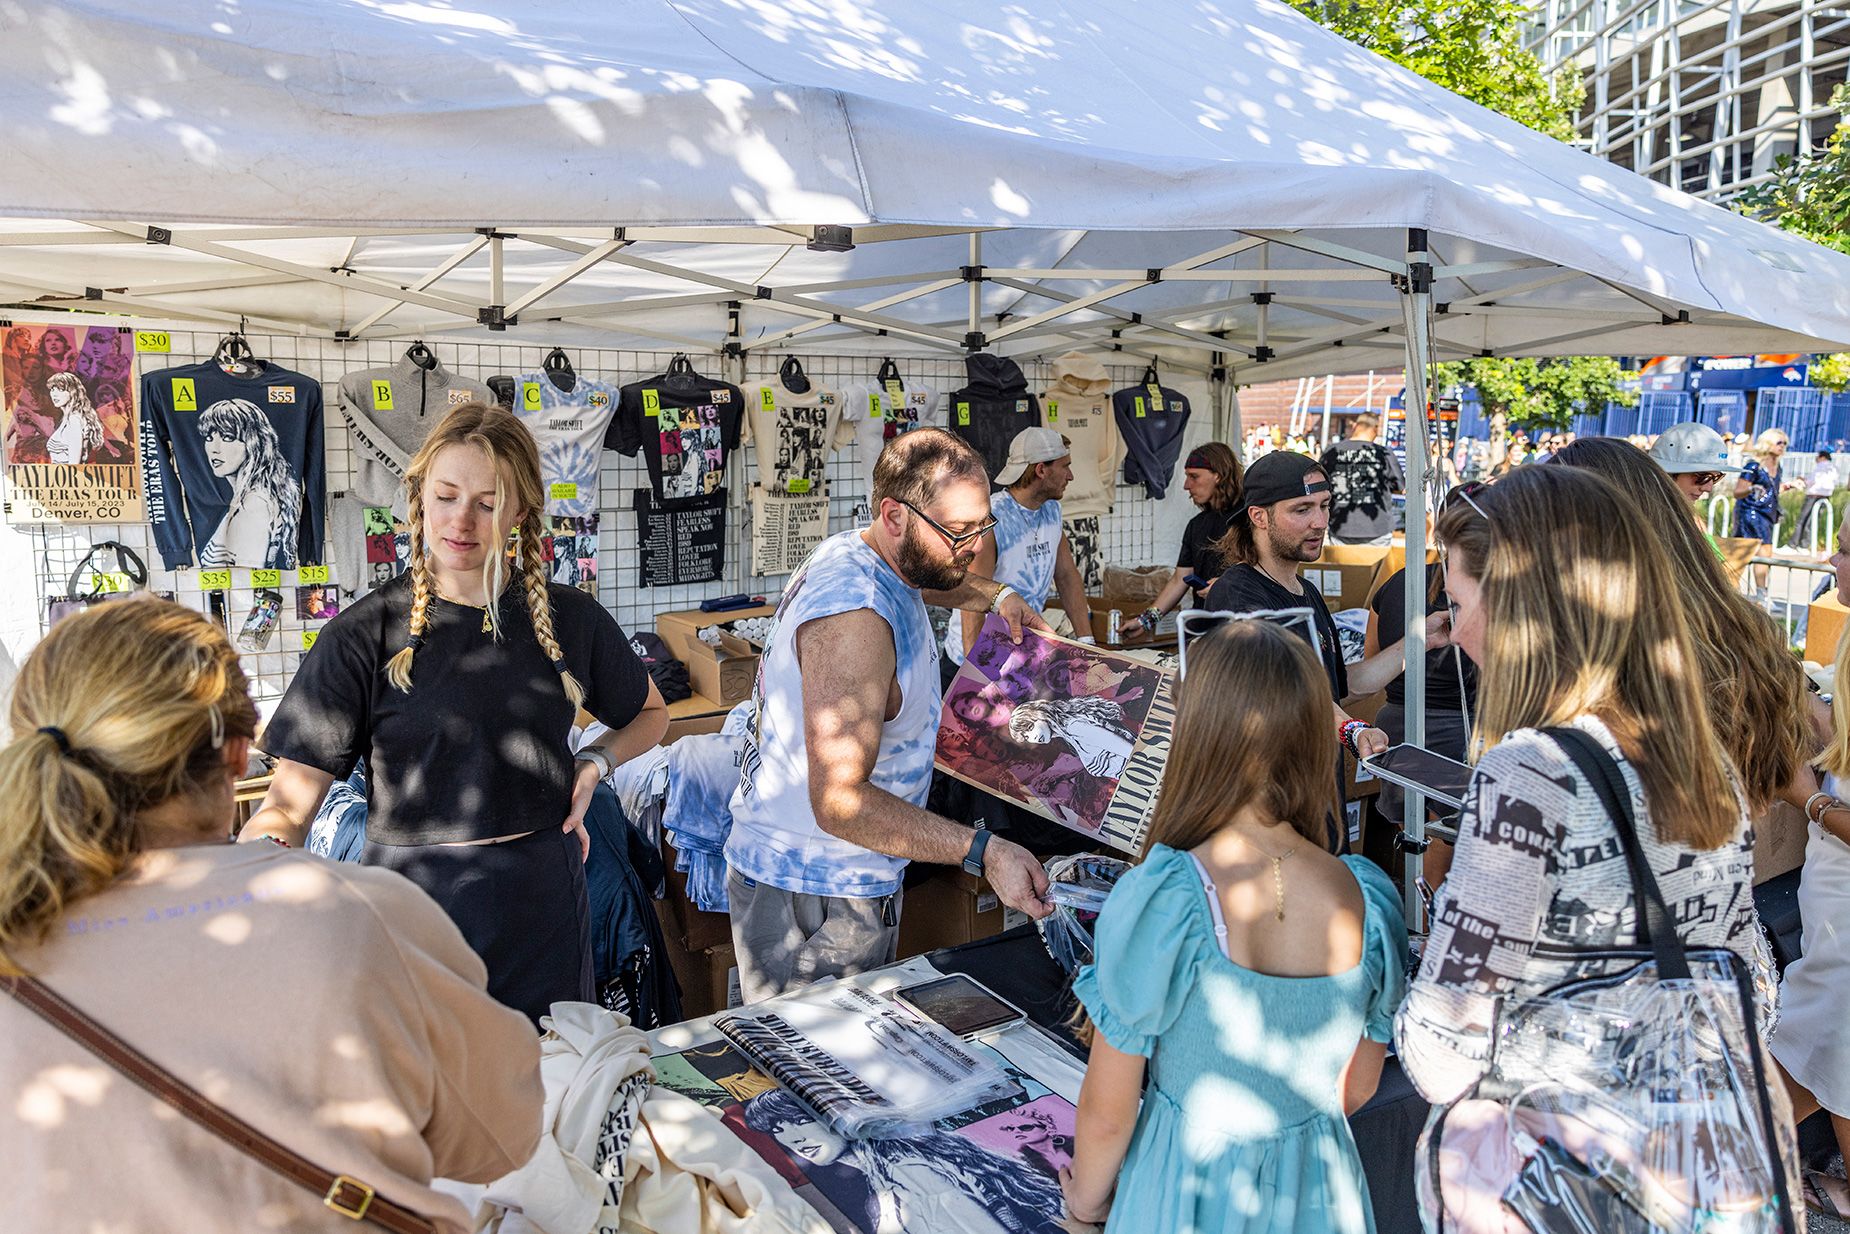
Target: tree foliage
{"type": "Point", "coordinates": [1810, 196]}
{"type": "Point", "coordinates": [1471, 47]}
{"type": "Point", "coordinates": [1475, 48]}
{"type": "Point", "coordinates": [1831, 372]}
{"type": "Point", "coordinates": [1541, 393]}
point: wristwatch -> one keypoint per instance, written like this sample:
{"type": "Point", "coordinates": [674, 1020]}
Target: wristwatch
{"type": "Point", "coordinates": [600, 758]}
{"type": "Point", "coordinates": [973, 860]}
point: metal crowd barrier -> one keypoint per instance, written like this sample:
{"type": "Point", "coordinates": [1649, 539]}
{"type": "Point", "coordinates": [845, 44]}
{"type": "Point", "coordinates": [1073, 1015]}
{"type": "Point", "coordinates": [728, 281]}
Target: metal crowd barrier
{"type": "Point", "coordinates": [1789, 610]}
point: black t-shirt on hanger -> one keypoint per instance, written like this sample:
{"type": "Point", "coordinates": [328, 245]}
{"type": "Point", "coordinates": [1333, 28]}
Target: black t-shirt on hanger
{"type": "Point", "coordinates": [233, 466]}
{"type": "Point", "coordinates": [685, 426]}
{"type": "Point", "coordinates": [480, 746]}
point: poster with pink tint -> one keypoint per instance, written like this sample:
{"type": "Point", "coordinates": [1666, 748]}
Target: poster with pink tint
{"type": "Point", "coordinates": [1074, 733]}
{"type": "Point", "coordinates": [67, 411]}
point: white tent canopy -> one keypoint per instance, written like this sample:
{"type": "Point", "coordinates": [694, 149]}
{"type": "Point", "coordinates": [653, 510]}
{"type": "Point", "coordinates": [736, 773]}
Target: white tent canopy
{"type": "Point", "coordinates": [1220, 182]}
{"type": "Point", "coordinates": [612, 173]}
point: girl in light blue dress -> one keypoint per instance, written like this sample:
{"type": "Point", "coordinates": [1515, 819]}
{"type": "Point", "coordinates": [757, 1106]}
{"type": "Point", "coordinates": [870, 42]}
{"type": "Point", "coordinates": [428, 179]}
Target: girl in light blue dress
{"type": "Point", "coordinates": [1255, 973]}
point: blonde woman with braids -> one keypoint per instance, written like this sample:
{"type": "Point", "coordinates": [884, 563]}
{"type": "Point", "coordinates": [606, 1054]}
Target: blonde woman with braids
{"type": "Point", "coordinates": [1571, 610]}
{"type": "Point", "coordinates": [457, 684]}
{"type": "Point", "coordinates": [240, 969]}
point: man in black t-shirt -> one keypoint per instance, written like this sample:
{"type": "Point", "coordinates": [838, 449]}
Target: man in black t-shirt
{"type": "Point", "coordinates": [1364, 475]}
{"type": "Point", "coordinates": [1283, 517]}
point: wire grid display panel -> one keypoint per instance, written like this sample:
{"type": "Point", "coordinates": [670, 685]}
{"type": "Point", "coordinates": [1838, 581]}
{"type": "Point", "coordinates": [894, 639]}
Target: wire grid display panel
{"type": "Point", "coordinates": [1127, 534]}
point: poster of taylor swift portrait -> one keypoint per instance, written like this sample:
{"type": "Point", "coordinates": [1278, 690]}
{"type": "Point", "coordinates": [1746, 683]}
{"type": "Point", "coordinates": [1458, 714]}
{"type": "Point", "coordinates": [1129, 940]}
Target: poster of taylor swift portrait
{"type": "Point", "coordinates": [1074, 733]}
{"type": "Point", "coordinates": [67, 411]}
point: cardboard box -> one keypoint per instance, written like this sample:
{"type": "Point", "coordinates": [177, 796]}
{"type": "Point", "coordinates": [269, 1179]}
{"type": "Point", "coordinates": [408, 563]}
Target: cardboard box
{"type": "Point", "coordinates": [1345, 574]}
{"type": "Point", "coordinates": [1736, 553]}
{"type": "Point", "coordinates": [719, 673]}
{"type": "Point", "coordinates": [949, 907]}
{"type": "Point", "coordinates": [690, 927]}
{"type": "Point", "coordinates": [680, 629]}
{"type": "Point", "coordinates": [709, 978]}
{"type": "Point", "coordinates": [1396, 561]}
{"type": "Point", "coordinates": [1135, 590]}
{"type": "Point", "coordinates": [1823, 628]}
{"type": "Point", "coordinates": [694, 714]}
{"type": "Point", "coordinates": [1358, 784]}
{"type": "Point", "coordinates": [1165, 636]}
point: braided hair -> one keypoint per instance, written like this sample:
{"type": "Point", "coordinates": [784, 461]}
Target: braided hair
{"type": "Point", "coordinates": [516, 458]}
{"type": "Point", "coordinates": [539, 605]}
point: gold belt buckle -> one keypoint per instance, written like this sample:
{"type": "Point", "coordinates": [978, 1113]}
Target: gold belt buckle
{"type": "Point", "coordinates": [336, 1197]}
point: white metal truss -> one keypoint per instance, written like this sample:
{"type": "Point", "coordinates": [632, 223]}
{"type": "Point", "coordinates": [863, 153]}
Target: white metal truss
{"type": "Point", "coordinates": [1702, 95]}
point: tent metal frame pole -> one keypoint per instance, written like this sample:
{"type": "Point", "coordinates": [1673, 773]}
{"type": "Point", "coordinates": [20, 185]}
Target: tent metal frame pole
{"type": "Point", "coordinates": [122, 235]}
{"type": "Point", "coordinates": [448, 264]}
{"type": "Point", "coordinates": [1157, 323]}
{"type": "Point", "coordinates": [622, 308]}
{"type": "Point", "coordinates": [1416, 303]}
{"type": "Point", "coordinates": [1325, 248]}
{"type": "Point", "coordinates": [349, 281]}
{"type": "Point", "coordinates": [1181, 274]}
{"type": "Point", "coordinates": [974, 318]}
{"type": "Point", "coordinates": [885, 302]}
{"type": "Point", "coordinates": [584, 263]}
{"type": "Point", "coordinates": [78, 296]}
{"type": "Point", "coordinates": [772, 298]}
{"type": "Point", "coordinates": [233, 282]}
{"type": "Point", "coordinates": [1086, 301]}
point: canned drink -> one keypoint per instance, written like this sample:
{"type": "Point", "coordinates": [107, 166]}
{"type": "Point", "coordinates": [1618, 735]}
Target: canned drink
{"type": "Point", "coordinates": [1113, 620]}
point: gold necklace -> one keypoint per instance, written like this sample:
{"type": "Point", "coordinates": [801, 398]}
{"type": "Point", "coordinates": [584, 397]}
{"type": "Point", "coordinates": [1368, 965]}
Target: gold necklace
{"type": "Point", "coordinates": [488, 626]}
{"type": "Point", "coordinates": [1278, 870]}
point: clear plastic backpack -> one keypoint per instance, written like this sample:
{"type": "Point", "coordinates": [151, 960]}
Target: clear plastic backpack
{"type": "Point", "coordinates": [1639, 1101]}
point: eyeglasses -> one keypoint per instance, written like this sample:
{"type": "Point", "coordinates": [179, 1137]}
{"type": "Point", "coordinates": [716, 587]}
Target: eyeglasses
{"type": "Point", "coordinates": [954, 539]}
{"type": "Point", "coordinates": [1707, 477]}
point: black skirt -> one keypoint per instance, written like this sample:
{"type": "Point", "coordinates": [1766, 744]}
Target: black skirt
{"type": "Point", "coordinates": [520, 904]}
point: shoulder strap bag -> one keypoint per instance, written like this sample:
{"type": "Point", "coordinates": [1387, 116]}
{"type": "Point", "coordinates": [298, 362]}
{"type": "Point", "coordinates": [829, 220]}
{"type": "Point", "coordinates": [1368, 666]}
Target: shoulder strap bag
{"type": "Point", "coordinates": [340, 1193]}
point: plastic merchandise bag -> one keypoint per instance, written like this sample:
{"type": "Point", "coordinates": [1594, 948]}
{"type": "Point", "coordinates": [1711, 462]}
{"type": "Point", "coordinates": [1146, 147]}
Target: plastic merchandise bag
{"type": "Point", "coordinates": [1639, 1100]}
{"type": "Point", "coordinates": [1078, 886]}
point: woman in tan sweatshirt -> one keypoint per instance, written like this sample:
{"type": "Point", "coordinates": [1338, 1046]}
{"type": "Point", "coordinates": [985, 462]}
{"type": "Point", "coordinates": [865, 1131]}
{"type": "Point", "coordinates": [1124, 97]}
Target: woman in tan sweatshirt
{"type": "Point", "coordinates": [333, 1007]}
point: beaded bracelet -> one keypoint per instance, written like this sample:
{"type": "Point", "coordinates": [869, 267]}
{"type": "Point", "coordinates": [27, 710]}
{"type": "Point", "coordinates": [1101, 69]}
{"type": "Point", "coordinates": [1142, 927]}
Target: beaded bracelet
{"type": "Point", "coordinates": [1346, 734]}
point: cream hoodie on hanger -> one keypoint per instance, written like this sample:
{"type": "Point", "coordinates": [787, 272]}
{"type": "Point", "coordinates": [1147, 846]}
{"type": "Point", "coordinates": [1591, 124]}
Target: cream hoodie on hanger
{"type": "Point", "coordinates": [1078, 404]}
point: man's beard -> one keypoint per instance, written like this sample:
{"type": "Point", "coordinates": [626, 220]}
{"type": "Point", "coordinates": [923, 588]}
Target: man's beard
{"type": "Point", "coordinates": [920, 571]}
{"type": "Point", "coordinates": [1292, 548]}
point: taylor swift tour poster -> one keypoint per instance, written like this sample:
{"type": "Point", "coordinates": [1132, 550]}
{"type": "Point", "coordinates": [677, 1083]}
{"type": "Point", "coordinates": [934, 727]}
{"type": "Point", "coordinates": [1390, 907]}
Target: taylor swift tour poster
{"type": "Point", "coordinates": [1074, 733]}
{"type": "Point", "coordinates": [69, 424]}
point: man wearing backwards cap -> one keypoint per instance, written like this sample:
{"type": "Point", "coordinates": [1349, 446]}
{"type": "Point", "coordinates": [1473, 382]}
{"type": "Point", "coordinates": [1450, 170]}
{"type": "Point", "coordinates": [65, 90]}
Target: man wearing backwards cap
{"type": "Point", "coordinates": [1283, 517]}
{"type": "Point", "coordinates": [1028, 550]}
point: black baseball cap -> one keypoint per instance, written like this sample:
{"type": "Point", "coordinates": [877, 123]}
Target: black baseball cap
{"type": "Point", "coordinates": [1279, 476]}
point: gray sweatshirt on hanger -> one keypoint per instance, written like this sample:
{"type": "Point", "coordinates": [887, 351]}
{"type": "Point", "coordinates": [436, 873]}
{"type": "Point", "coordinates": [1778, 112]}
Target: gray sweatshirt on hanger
{"type": "Point", "coordinates": [389, 413]}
